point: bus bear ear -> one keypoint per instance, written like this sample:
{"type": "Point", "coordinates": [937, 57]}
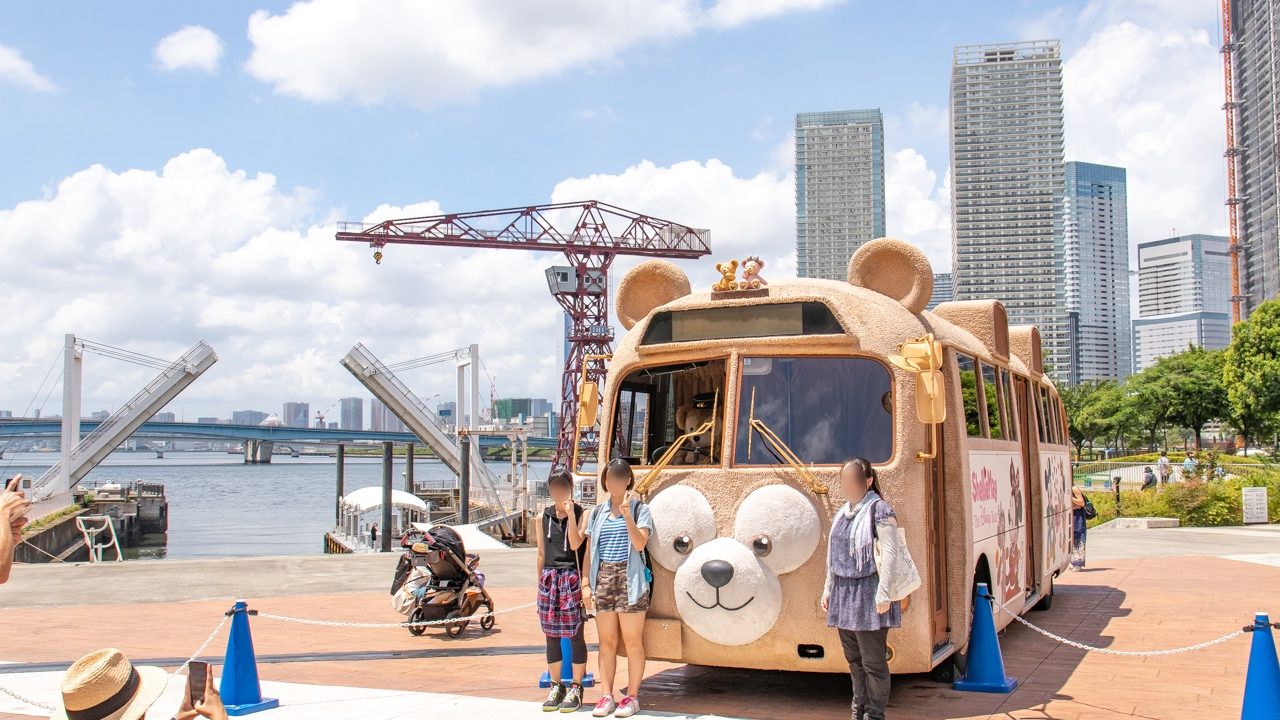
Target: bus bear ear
{"type": "Point", "coordinates": [646, 286]}
{"type": "Point", "coordinates": [895, 268]}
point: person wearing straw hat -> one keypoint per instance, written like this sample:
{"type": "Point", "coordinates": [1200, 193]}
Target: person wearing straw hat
{"type": "Point", "coordinates": [104, 685]}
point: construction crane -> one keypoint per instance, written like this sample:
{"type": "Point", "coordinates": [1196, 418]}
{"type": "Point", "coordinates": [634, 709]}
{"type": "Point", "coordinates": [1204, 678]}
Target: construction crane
{"type": "Point", "coordinates": [590, 234]}
{"type": "Point", "coordinates": [321, 413]}
{"type": "Point", "coordinates": [1232, 154]}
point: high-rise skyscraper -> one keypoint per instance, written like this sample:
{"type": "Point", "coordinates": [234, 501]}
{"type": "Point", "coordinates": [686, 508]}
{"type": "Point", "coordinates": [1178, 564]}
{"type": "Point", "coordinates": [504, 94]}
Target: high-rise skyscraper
{"type": "Point", "coordinates": [943, 290]}
{"type": "Point", "coordinates": [1184, 297]}
{"type": "Point", "coordinates": [1255, 26]}
{"type": "Point", "coordinates": [1006, 184]}
{"type": "Point", "coordinates": [351, 410]}
{"type": "Point", "coordinates": [1095, 231]}
{"type": "Point", "coordinates": [381, 419]}
{"type": "Point", "coordinates": [296, 414]}
{"type": "Point", "coordinates": [839, 189]}
{"type": "Point", "coordinates": [247, 417]}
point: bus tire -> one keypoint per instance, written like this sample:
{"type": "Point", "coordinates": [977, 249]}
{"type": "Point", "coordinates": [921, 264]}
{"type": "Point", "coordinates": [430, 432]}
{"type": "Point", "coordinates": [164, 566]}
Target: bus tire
{"type": "Point", "coordinates": [1046, 601]}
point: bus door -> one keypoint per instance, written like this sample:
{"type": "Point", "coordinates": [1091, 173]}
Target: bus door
{"type": "Point", "coordinates": [1033, 532]}
{"type": "Point", "coordinates": [938, 547]}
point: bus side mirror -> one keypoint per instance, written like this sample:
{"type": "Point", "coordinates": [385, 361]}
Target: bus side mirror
{"type": "Point", "coordinates": [588, 404]}
{"type": "Point", "coordinates": [931, 405]}
{"type": "Point", "coordinates": [923, 358]}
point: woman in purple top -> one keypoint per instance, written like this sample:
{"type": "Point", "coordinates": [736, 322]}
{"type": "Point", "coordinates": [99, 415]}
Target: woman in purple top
{"type": "Point", "coordinates": [852, 598]}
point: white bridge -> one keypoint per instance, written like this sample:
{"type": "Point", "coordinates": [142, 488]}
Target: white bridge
{"type": "Point", "coordinates": [51, 491]}
{"type": "Point", "coordinates": [428, 426]}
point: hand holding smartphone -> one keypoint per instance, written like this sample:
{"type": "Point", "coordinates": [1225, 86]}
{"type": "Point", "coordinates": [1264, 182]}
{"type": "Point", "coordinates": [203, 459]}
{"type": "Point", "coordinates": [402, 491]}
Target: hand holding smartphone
{"type": "Point", "coordinates": [197, 681]}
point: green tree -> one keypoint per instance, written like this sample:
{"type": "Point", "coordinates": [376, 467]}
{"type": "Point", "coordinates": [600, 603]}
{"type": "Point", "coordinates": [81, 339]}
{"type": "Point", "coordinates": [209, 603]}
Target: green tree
{"type": "Point", "coordinates": [1190, 387]}
{"type": "Point", "coordinates": [1147, 398]}
{"type": "Point", "coordinates": [1251, 372]}
{"type": "Point", "coordinates": [1074, 400]}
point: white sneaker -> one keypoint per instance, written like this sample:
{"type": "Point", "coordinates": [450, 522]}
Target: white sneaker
{"type": "Point", "coordinates": [628, 707]}
{"type": "Point", "coordinates": [605, 707]}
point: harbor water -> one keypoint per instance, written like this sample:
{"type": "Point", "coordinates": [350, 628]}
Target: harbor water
{"type": "Point", "coordinates": [221, 507]}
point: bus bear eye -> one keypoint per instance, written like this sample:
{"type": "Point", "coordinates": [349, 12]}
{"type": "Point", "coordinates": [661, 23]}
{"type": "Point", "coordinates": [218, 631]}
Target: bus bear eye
{"type": "Point", "coordinates": [761, 546]}
{"type": "Point", "coordinates": [682, 544]}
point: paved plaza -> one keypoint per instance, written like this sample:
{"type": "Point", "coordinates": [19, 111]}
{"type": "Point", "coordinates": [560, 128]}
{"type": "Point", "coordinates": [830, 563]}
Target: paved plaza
{"type": "Point", "coordinates": [1144, 590]}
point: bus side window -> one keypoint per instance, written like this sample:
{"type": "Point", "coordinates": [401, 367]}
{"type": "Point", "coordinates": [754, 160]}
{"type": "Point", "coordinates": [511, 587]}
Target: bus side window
{"type": "Point", "coordinates": [631, 438]}
{"type": "Point", "coordinates": [1042, 416]}
{"type": "Point", "coordinates": [969, 392]}
{"type": "Point", "coordinates": [1011, 401]}
{"type": "Point", "coordinates": [1062, 425]}
{"type": "Point", "coordinates": [993, 394]}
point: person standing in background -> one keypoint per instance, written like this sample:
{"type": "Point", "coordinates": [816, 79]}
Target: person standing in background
{"type": "Point", "coordinates": [373, 536]}
{"type": "Point", "coordinates": [1166, 468]}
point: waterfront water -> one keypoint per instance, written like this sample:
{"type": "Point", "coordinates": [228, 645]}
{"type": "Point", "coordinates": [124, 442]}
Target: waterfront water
{"type": "Point", "coordinates": [221, 507]}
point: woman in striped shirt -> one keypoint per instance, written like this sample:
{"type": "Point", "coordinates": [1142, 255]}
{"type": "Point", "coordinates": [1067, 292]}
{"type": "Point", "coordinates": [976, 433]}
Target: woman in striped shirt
{"type": "Point", "coordinates": [619, 583]}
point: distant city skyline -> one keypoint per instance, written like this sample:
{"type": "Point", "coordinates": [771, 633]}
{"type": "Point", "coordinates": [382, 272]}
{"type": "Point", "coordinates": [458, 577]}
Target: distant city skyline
{"type": "Point", "coordinates": [1095, 231]}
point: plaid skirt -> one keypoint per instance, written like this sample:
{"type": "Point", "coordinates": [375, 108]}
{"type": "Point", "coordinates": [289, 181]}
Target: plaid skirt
{"type": "Point", "coordinates": [560, 602]}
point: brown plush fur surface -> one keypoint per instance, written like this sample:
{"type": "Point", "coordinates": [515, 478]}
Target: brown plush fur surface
{"type": "Point", "coordinates": [877, 317]}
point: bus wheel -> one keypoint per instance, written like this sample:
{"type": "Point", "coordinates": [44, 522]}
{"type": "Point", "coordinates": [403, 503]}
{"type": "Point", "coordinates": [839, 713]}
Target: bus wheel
{"type": "Point", "coordinates": [1046, 601]}
{"type": "Point", "coordinates": [947, 671]}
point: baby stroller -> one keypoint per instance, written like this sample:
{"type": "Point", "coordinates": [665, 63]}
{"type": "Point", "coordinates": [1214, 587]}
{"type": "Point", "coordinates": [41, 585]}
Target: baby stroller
{"type": "Point", "coordinates": [436, 579]}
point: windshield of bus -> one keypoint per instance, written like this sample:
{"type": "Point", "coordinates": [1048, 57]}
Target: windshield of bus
{"type": "Point", "coordinates": [825, 409]}
{"type": "Point", "coordinates": [655, 406]}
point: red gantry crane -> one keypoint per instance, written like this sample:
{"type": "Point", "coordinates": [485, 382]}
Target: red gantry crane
{"type": "Point", "coordinates": [1232, 154]}
{"type": "Point", "coordinates": [590, 234]}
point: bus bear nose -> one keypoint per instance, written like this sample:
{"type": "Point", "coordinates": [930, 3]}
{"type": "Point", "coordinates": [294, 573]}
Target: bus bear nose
{"type": "Point", "coordinates": [717, 573]}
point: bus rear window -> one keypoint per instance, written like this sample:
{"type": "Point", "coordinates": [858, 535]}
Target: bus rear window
{"type": "Point", "coordinates": [742, 321]}
{"type": "Point", "coordinates": [825, 409]}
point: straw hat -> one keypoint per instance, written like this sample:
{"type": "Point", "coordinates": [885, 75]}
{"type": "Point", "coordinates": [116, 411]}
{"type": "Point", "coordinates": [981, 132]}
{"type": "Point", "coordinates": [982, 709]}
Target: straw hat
{"type": "Point", "coordinates": [104, 685]}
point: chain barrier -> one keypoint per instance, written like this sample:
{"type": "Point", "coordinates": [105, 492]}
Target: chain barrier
{"type": "Point", "coordinates": [1108, 651]}
{"type": "Point", "coordinates": [176, 673]}
{"type": "Point", "coordinates": [26, 700]}
{"type": "Point", "coordinates": [421, 623]}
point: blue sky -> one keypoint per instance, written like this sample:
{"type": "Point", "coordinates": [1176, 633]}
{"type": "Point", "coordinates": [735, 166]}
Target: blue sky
{"type": "Point", "coordinates": [729, 94]}
{"type": "Point", "coordinates": [173, 170]}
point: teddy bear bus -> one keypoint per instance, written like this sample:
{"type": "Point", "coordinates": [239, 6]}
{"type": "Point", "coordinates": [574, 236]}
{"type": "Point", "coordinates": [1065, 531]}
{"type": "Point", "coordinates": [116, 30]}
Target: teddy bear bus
{"type": "Point", "coordinates": [736, 406]}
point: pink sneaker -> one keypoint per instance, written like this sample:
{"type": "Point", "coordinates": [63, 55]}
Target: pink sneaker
{"type": "Point", "coordinates": [628, 707]}
{"type": "Point", "coordinates": [605, 707]}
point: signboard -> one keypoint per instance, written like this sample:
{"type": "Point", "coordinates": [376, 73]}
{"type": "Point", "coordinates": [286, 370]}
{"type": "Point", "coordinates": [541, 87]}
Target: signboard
{"type": "Point", "coordinates": [1255, 505]}
{"type": "Point", "coordinates": [587, 491]}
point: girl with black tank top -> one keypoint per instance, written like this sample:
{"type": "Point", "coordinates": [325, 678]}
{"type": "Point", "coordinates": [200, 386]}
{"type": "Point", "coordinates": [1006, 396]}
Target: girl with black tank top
{"type": "Point", "coordinates": [561, 545]}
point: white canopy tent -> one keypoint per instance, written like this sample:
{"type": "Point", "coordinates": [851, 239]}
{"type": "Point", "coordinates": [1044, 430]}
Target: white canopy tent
{"type": "Point", "coordinates": [355, 505]}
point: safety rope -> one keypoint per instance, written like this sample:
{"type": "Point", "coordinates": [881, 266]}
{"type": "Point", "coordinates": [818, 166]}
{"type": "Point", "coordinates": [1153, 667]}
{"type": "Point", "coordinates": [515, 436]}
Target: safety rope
{"type": "Point", "coordinates": [421, 623]}
{"type": "Point", "coordinates": [1108, 651]}
{"type": "Point", "coordinates": [42, 551]}
{"type": "Point", "coordinates": [176, 673]}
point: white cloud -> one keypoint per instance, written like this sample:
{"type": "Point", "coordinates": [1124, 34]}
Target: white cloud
{"type": "Point", "coordinates": [746, 215]}
{"type": "Point", "coordinates": [918, 206]}
{"type": "Point", "coordinates": [153, 261]}
{"type": "Point", "coordinates": [17, 70]}
{"type": "Point", "coordinates": [432, 54]}
{"type": "Point", "coordinates": [193, 47]}
{"type": "Point", "coordinates": [601, 112]}
{"type": "Point", "coordinates": [1147, 96]}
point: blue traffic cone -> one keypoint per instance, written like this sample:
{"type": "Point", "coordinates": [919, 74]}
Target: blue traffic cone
{"type": "Point", "coordinates": [1262, 684]}
{"type": "Point", "coordinates": [985, 669]}
{"type": "Point", "coordinates": [241, 692]}
{"type": "Point", "coordinates": [566, 668]}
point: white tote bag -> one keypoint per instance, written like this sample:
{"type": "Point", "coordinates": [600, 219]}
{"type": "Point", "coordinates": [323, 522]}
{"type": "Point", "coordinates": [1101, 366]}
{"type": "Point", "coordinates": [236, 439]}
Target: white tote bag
{"type": "Point", "coordinates": [898, 574]}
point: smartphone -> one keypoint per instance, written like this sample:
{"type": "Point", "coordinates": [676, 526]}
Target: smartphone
{"type": "Point", "coordinates": [197, 680]}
